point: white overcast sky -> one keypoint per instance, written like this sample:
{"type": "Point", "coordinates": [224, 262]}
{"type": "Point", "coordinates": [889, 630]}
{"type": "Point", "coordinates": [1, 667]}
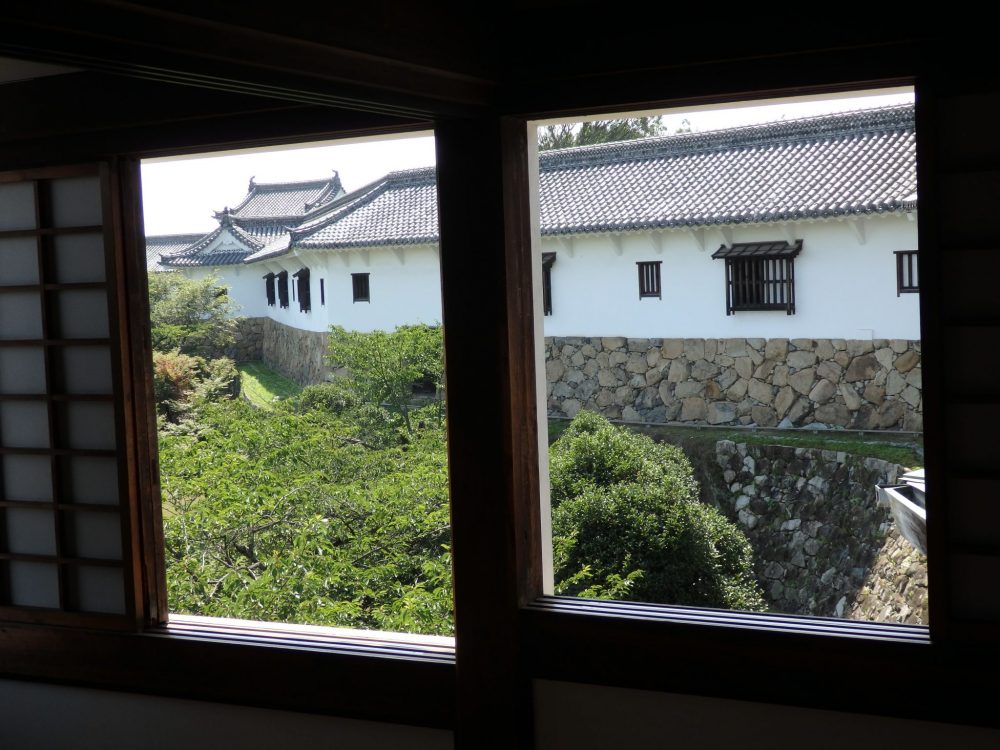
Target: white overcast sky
{"type": "Point", "coordinates": [180, 194]}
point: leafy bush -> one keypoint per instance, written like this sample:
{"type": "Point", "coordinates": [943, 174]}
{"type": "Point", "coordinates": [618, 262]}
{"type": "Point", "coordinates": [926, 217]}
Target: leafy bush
{"type": "Point", "coordinates": [383, 367]}
{"type": "Point", "coordinates": [627, 524]}
{"type": "Point", "coordinates": [183, 383]}
{"type": "Point", "coordinates": [192, 316]}
{"type": "Point", "coordinates": [286, 516]}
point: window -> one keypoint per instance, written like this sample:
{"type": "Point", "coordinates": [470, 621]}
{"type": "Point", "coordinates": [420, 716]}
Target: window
{"type": "Point", "coordinates": [322, 292]}
{"type": "Point", "coordinates": [269, 288]}
{"type": "Point", "coordinates": [302, 283]}
{"type": "Point", "coordinates": [282, 279]}
{"type": "Point", "coordinates": [760, 275]}
{"type": "Point", "coordinates": [359, 284]}
{"type": "Point", "coordinates": [548, 259]}
{"type": "Point", "coordinates": [649, 279]}
{"type": "Point", "coordinates": [907, 276]}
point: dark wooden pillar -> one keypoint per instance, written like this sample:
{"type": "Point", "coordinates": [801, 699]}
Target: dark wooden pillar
{"type": "Point", "coordinates": [492, 430]}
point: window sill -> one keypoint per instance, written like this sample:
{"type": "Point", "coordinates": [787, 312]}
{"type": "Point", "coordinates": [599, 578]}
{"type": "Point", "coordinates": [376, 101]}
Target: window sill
{"type": "Point", "coordinates": [406, 679]}
{"type": "Point", "coordinates": [812, 662]}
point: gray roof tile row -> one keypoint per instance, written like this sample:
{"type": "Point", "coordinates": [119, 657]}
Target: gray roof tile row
{"type": "Point", "coordinates": [848, 164]}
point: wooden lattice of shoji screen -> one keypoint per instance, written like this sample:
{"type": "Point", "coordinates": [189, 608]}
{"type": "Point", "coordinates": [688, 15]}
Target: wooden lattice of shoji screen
{"type": "Point", "coordinates": [64, 550]}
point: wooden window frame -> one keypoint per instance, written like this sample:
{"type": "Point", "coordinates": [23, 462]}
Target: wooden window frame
{"type": "Point", "coordinates": [548, 260]}
{"type": "Point", "coordinates": [361, 287]}
{"type": "Point", "coordinates": [760, 276]}
{"type": "Point", "coordinates": [302, 284]}
{"type": "Point", "coordinates": [650, 281]}
{"type": "Point", "coordinates": [281, 279]}
{"type": "Point", "coordinates": [510, 632]}
{"type": "Point", "coordinates": [907, 261]}
{"type": "Point", "coordinates": [269, 291]}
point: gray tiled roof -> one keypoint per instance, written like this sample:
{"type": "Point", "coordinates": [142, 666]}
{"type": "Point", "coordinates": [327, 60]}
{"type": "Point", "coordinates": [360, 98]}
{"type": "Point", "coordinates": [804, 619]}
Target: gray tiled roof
{"type": "Point", "coordinates": [197, 255]}
{"type": "Point", "coordinates": [834, 165]}
{"type": "Point", "coordinates": [855, 163]}
{"type": "Point", "coordinates": [166, 243]}
{"type": "Point", "coordinates": [286, 199]}
{"type": "Point", "coordinates": [399, 209]}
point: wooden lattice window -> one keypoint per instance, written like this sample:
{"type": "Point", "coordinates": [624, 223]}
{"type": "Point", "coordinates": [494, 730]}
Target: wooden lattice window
{"type": "Point", "coordinates": [649, 279]}
{"type": "Point", "coordinates": [63, 478]}
{"type": "Point", "coordinates": [359, 283]}
{"type": "Point", "coordinates": [282, 279]}
{"type": "Point", "coordinates": [302, 284]}
{"type": "Point", "coordinates": [760, 275]}
{"type": "Point", "coordinates": [907, 274]}
{"type": "Point", "coordinates": [269, 288]}
{"type": "Point", "coordinates": [548, 259]}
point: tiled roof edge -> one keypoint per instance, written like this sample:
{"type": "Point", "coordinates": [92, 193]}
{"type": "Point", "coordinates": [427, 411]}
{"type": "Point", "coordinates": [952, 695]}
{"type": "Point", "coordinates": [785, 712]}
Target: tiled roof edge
{"type": "Point", "coordinates": [881, 119]}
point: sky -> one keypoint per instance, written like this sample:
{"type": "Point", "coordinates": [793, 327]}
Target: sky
{"type": "Point", "coordinates": [180, 194]}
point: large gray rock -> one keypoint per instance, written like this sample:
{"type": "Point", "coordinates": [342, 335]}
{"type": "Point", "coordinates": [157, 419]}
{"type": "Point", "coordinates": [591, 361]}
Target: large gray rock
{"type": "Point", "coordinates": [907, 361]}
{"type": "Point", "coordinates": [862, 367]}
{"type": "Point", "coordinates": [784, 400]}
{"type": "Point", "coordinates": [613, 342]}
{"type": "Point", "coordinates": [764, 416]}
{"type": "Point", "coordinates": [672, 348]}
{"type": "Point", "coordinates": [891, 413]}
{"type": "Point", "coordinates": [744, 367]}
{"type": "Point", "coordinates": [678, 371]}
{"type": "Point", "coordinates": [803, 380]}
{"type": "Point", "coordinates": [703, 370]}
{"type": "Point", "coordinates": [720, 412]}
{"type": "Point", "coordinates": [760, 391]}
{"type": "Point", "coordinates": [694, 408]}
{"type": "Point", "coordinates": [776, 349]}
{"type": "Point", "coordinates": [822, 392]}
{"type": "Point", "coordinates": [554, 370]}
{"type": "Point", "coordinates": [800, 359]}
{"type": "Point", "coordinates": [829, 370]}
{"type": "Point", "coordinates": [885, 357]}
{"type": "Point", "coordinates": [833, 414]}
{"type": "Point", "coordinates": [694, 349]}
{"type": "Point", "coordinates": [857, 347]}
{"type": "Point", "coordinates": [851, 398]}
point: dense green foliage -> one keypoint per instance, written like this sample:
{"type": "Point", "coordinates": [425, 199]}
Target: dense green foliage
{"type": "Point", "coordinates": [384, 366]}
{"type": "Point", "coordinates": [262, 386]}
{"type": "Point", "coordinates": [599, 131]}
{"type": "Point", "coordinates": [288, 516]}
{"type": "Point", "coordinates": [627, 524]}
{"type": "Point", "coordinates": [191, 316]}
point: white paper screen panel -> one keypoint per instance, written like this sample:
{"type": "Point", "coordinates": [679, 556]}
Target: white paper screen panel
{"type": "Point", "coordinates": [61, 535]}
{"type": "Point", "coordinates": [18, 261]}
{"type": "Point", "coordinates": [17, 206]}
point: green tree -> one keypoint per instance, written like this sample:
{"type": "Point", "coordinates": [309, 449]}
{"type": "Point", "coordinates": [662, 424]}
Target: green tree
{"type": "Point", "coordinates": [193, 316]}
{"type": "Point", "coordinates": [599, 131]}
{"type": "Point", "coordinates": [383, 367]}
{"type": "Point", "coordinates": [627, 524]}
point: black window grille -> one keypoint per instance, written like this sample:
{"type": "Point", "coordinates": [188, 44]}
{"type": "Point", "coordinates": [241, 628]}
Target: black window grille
{"type": "Point", "coordinates": [907, 274]}
{"type": "Point", "coordinates": [649, 279]}
{"type": "Point", "coordinates": [322, 292]}
{"type": "Point", "coordinates": [282, 279]}
{"type": "Point", "coordinates": [760, 275]}
{"type": "Point", "coordinates": [359, 282]}
{"type": "Point", "coordinates": [302, 286]}
{"type": "Point", "coordinates": [269, 288]}
{"type": "Point", "coordinates": [547, 260]}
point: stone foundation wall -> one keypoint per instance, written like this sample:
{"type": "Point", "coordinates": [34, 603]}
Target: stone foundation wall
{"type": "Point", "coordinates": [296, 354]}
{"type": "Point", "coordinates": [249, 344]}
{"type": "Point", "coordinates": [858, 384]}
{"type": "Point", "coordinates": [822, 545]}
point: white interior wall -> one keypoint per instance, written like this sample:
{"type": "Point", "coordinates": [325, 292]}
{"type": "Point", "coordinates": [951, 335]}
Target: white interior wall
{"type": "Point", "coordinates": [567, 717]}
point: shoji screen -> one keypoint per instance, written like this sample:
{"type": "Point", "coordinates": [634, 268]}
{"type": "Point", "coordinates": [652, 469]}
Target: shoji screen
{"type": "Point", "coordinates": [62, 518]}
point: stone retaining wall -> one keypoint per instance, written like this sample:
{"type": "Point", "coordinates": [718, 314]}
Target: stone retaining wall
{"type": "Point", "coordinates": [858, 384]}
{"type": "Point", "coordinates": [296, 354]}
{"type": "Point", "coordinates": [822, 545]}
{"type": "Point", "coordinates": [249, 344]}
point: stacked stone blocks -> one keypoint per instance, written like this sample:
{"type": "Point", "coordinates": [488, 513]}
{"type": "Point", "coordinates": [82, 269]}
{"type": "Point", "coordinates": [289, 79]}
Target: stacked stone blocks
{"type": "Point", "coordinates": [839, 383]}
